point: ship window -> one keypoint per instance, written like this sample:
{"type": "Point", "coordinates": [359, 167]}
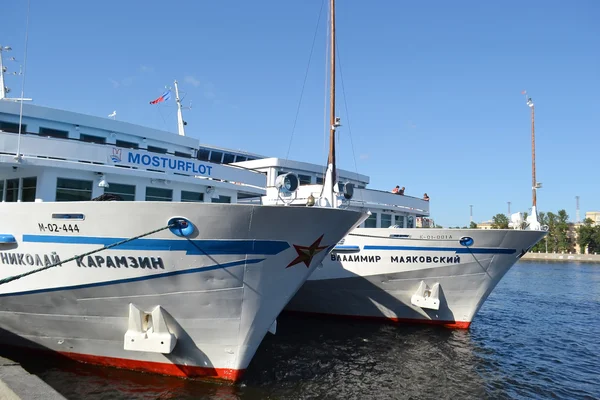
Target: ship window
{"type": "Point", "coordinates": [73, 190]}
{"type": "Point", "coordinates": [12, 190]}
{"type": "Point", "coordinates": [12, 127]}
{"type": "Point", "coordinates": [319, 180]}
{"type": "Point", "coordinates": [184, 155]}
{"type": "Point", "coordinates": [216, 156]}
{"type": "Point", "coordinates": [228, 158]}
{"type": "Point", "coordinates": [203, 154]}
{"type": "Point", "coordinates": [125, 144]}
{"type": "Point", "coordinates": [28, 191]}
{"type": "Point", "coordinates": [386, 220]}
{"type": "Point", "coordinates": [157, 149]}
{"type": "Point", "coordinates": [410, 222]}
{"type": "Point", "coordinates": [126, 192]}
{"type": "Point", "coordinates": [92, 138]}
{"type": "Point", "coordinates": [54, 133]}
{"type": "Point", "coordinates": [1, 190]}
{"type": "Point", "coordinates": [371, 222]}
{"type": "Point", "coordinates": [191, 196]}
{"type": "Point", "coordinates": [240, 158]}
{"type": "Point", "coordinates": [304, 179]}
{"type": "Point", "coordinates": [222, 199]}
{"type": "Point", "coordinates": [400, 221]}
{"type": "Point", "coordinates": [158, 194]}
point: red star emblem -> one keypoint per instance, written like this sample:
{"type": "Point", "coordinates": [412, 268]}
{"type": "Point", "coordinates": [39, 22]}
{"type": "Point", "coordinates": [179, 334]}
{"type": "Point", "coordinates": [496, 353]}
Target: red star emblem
{"type": "Point", "coordinates": [306, 253]}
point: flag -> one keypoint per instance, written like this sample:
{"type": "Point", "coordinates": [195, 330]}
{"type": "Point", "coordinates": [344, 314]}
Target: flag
{"type": "Point", "coordinates": [524, 92]}
{"type": "Point", "coordinates": [165, 96]}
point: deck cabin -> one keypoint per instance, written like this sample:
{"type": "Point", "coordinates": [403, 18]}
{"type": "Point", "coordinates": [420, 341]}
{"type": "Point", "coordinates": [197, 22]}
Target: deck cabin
{"type": "Point", "coordinates": [387, 209]}
{"type": "Point", "coordinates": [66, 156]}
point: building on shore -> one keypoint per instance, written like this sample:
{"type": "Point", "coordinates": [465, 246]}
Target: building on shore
{"type": "Point", "coordinates": [594, 216]}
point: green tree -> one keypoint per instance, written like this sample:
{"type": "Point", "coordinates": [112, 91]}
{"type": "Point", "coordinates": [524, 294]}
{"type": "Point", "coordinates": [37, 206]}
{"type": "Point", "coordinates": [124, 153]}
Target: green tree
{"type": "Point", "coordinates": [585, 235]}
{"type": "Point", "coordinates": [552, 221]}
{"type": "Point", "coordinates": [563, 241]}
{"type": "Point", "coordinates": [472, 225]}
{"type": "Point", "coordinates": [499, 221]}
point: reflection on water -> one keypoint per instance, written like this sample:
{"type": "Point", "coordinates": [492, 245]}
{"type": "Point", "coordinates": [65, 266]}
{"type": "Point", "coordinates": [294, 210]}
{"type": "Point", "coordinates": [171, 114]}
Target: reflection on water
{"type": "Point", "coordinates": [535, 337]}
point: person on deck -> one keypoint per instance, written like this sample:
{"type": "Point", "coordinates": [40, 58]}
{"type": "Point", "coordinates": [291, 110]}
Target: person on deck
{"type": "Point", "coordinates": [396, 189]}
{"type": "Point", "coordinates": [401, 191]}
{"type": "Point", "coordinates": [425, 197]}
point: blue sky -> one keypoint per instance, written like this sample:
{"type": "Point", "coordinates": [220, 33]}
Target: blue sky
{"type": "Point", "coordinates": [433, 88]}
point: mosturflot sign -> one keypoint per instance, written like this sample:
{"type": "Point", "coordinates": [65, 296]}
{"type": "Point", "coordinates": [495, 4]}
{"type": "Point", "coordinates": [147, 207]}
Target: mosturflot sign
{"type": "Point", "coordinates": [161, 162]}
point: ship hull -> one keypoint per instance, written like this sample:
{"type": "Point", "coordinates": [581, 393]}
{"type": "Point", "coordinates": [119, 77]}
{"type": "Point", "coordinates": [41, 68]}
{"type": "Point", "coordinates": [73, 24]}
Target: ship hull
{"type": "Point", "coordinates": [376, 274]}
{"type": "Point", "coordinates": [217, 292]}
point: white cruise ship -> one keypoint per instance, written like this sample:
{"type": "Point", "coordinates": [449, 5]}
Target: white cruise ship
{"type": "Point", "coordinates": [124, 246]}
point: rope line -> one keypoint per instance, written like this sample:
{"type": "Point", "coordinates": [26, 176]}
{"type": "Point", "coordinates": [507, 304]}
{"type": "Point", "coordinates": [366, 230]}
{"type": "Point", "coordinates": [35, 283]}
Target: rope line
{"type": "Point", "coordinates": [15, 277]}
{"type": "Point", "coordinates": [312, 47]}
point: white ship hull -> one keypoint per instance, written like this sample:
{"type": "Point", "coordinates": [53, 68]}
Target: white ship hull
{"type": "Point", "coordinates": [373, 275]}
{"type": "Point", "coordinates": [219, 292]}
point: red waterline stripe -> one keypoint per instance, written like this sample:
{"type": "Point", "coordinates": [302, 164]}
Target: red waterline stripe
{"type": "Point", "coordinates": [447, 324]}
{"type": "Point", "coordinates": [182, 371]}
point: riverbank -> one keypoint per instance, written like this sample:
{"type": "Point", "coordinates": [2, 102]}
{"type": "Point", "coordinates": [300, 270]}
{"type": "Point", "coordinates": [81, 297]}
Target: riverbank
{"type": "Point", "coordinates": [16, 384]}
{"type": "Point", "coordinates": [587, 258]}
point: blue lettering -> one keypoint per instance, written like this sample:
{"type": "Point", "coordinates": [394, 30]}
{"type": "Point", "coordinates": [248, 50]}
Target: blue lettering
{"type": "Point", "coordinates": [155, 161]}
{"type": "Point", "coordinates": [134, 158]}
{"type": "Point", "coordinates": [181, 165]}
{"type": "Point", "coordinates": [209, 168]}
{"type": "Point", "coordinates": [188, 165]}
{"type": "Point", "coordinates": [146, 159]}
{"type": "Point", "coordinates": [172, 164]}
{"type": "Point", "coordinates": [201, 169]}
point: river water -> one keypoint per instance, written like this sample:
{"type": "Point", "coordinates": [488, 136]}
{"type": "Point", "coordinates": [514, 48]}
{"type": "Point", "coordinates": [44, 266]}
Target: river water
{"type": "Point", "coordinates": [537, 336]}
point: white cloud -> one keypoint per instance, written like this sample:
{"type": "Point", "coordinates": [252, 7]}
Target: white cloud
{"type": "Point", "coordinates": [192, 81]}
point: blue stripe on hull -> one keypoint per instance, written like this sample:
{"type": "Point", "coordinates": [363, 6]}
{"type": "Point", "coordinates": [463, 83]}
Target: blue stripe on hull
{"type": "Point", "coordinates": [459, 250]}
{"type": "Point", "coordinates": [191, 247]}
{"type": "Point", "coordinates": [137, 279]}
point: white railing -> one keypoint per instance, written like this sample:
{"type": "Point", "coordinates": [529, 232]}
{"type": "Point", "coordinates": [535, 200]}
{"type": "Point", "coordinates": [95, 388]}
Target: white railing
{"type": "Point", "coordinates": [381, 199]}
{"type": "Point", "coordinates": [110, 155]}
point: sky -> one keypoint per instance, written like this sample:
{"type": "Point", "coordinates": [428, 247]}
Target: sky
{"type": "Point", "coordinates": [429, 93]}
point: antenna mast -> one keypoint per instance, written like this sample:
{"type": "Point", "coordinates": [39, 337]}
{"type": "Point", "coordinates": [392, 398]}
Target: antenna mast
{"type": "Point", "coordinates": [3, 89]}
{"type": "Point", "coordinates": [577, 209]}
{"type": "Point", "coordinates": [180, 122]}
{"type": "Point", "coordinates": [2, 70]}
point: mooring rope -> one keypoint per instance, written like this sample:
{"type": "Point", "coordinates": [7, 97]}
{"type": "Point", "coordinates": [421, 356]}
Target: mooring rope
{"type": "Point", "coordinates": [15, 277]}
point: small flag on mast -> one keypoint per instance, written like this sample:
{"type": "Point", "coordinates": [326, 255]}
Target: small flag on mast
{"type": "Point", "coordinates": [524, 92]}
{"type": "Point", "coordinates": [165, 96]}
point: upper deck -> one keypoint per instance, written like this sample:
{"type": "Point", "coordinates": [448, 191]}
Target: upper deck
{"type": "Point", "coordinates": [313, 174]}
{"type": "Point", "coordinates": [86, 146]}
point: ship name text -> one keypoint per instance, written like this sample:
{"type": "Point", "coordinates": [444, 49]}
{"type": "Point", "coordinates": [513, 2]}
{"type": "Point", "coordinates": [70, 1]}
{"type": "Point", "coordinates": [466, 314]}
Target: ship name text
{"type": "Point", "coordinates": [39, 260]}
{"type": "Point", "coordinates": [120, 262]}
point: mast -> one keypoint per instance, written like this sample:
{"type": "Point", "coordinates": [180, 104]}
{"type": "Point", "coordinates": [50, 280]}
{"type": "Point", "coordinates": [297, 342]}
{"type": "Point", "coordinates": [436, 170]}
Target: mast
{"type": "Point", "coordinates": [333, 121]}
{"type": "Point", "coordinates": [2, 87]}
{"type": "Point", "coordinates": [534, 184]}
{"type": "Point", "coordinates": [180, 123]}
